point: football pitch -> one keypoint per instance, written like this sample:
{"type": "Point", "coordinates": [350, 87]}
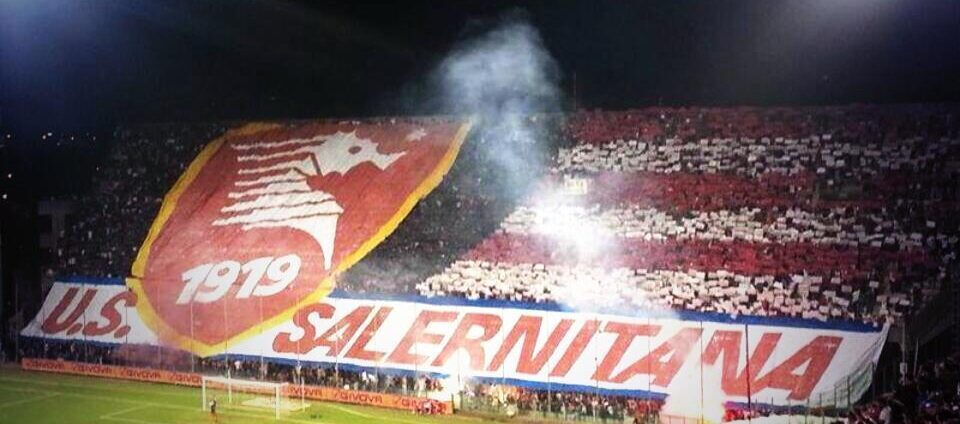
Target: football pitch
{"type": "Point", "coordinates": [36, 398]}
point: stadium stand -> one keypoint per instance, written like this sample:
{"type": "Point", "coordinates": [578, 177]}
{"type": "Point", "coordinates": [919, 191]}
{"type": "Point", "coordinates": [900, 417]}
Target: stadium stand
{"type": "Point", "coordinates": [111, 223]}
{"type": "Point", "coordinates": [817, 226]}
{"type": "Point", "coordinates": [845, 213]}
{"type": "Point", "coordinates": [930, 397]}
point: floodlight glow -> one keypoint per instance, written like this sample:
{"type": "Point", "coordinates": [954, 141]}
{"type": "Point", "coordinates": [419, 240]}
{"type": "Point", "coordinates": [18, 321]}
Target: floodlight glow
{"type": "Point", "coordinates": [568, 227]}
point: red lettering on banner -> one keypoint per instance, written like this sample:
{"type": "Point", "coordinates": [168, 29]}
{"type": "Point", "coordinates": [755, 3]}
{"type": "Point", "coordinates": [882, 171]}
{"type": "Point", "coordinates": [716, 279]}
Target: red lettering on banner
{"type": "Point", "coordinates": [528, 327]}
{"type": "Point", "coordinates": [112, 314]}
{"type": "Point", "coordinates": [359, 348]}
{"type": "Point", "coordinates": [284, 342]}
{"type": "Point", "coordinates": [625, 335]}
{"type": "Point", "coordinates": [817, 355]}
{"type": "Point", "coordinates": [349, 324]}
{"type": "Point", "coordinates": [729, 344]}
{"type": "Point", "coordinates": [576, 347]}
{"type": "Point", "coordinates": [459, 340]}
{"type": "Point", "coordinates": [55, 324]}
{"type": "Point", "coordinates": [676, 349]}
{"type": "Point", "coordinates": [417, 334]}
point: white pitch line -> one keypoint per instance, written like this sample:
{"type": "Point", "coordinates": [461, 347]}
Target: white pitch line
{"type": "Point", "coordinates": [129, 420]}
{"type": "Point", "coordinates": [361, 414]}
{"type": "Point", "coordinates": [263, 416]}
{"type": "Point", "coordinates": [123, 411]}
{"type": "Point", "coordinates": [350, 411]}
{"type": "Point", "coordinates": [113, 416]}
{"type": "Point", "coordinates": [159, 392]}
{"type": "Point", "coordinates": [28, 400]}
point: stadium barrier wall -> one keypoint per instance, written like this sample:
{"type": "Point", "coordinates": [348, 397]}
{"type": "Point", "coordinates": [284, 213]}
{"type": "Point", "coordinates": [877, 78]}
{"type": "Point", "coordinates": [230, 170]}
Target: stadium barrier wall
{"type": "Point", "coordinates": [111, 371]}
{"type": "Point", "coordinates": [384, 400]}
{"type": "Point", "coordinates": [357, 397]}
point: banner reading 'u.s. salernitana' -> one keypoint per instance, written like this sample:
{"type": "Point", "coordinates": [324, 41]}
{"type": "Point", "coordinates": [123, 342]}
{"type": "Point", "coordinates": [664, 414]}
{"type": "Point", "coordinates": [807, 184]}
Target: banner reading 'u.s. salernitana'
{"type": "Point", "coordinates": [530, 345]}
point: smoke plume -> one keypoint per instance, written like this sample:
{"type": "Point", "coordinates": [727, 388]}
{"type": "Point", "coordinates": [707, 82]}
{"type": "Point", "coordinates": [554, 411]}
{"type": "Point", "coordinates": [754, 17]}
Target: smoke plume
{"type": "Point", "coordinates": [507, 79]}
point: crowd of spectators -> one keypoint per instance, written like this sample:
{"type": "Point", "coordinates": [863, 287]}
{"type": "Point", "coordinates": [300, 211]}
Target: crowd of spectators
{"type": "Point", "coordinates": [721, 291]}
{"type": "Point", "coordinates": [856, 121]}
{"type": "Point", "coordinates": [842, 226]}
{"type": "Point", "coordinates": [932, 396]}
{"type": "Point", "coordinates": [570, 406]}
{"type": "Point", "coordinates": [835, 267]}
{"type": "Point", "coordinates": [748, 156]}
{"type": "Point", "coordinates": [112, 222]}
{"type": "Point", "coordinates": [314, 374]}
{"type": "Point", "coordinates": [818, 213]}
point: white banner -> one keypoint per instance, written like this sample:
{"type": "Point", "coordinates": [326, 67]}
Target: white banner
{"type": "Point", "coordinates": [699, 357]}
{"type": "Point", "coordinates": [103, 313]}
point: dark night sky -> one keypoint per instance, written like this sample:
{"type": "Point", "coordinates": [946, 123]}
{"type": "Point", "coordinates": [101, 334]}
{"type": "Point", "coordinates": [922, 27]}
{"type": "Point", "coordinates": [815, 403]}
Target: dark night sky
{"type": "Point", "coordinates": [78, 65]}
{"type": "Point", "coordinates": [73, 64]}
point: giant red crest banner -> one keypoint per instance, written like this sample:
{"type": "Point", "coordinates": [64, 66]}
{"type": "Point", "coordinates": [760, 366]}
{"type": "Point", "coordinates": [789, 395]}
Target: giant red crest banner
{"type": "Point", "coordinates": [266, 216]}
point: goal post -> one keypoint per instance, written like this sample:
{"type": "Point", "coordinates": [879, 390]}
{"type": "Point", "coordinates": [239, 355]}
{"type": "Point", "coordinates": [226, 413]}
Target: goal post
{"type": "Point", "coordinates": [251, 393]}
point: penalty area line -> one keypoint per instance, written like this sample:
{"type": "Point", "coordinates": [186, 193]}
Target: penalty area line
{"type": "Point", "coordinates": [123, 411]}
{"type": "Point", "coordinates": [28, 400]}
{"type": "Point", "coordinates": [142, 404]}
{"type": "Point", "coordinates": [129, 420]}
{"type": "Point", "coordinates": [113, 416]}
{"type": "Point", "coordinates": [350, 411]}
{"type": "Point", "coordinates": [363, 415]}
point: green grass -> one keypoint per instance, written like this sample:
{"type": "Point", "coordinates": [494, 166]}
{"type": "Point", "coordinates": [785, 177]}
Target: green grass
{"type": "Point", "coordinates": [38, 398]}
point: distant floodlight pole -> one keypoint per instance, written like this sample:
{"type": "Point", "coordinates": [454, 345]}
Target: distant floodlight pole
{"type": "Point", "coordinates": [126, 337]}
{"type": "Point", "coordinates": [576, 100]}
{"type": "Point", "coordinates": [416, 364]}
{"type": "Point", "coordinates": [19, 313]}
{"type": "Point", "coordinates": [549, 397]}
{"type": "Point", "coordinates": [84, 317]}
{"type": "Point", "coordinates": [303, 404]}
{"type": "Point", "coordinates": [700, 342]}
{"type": "Point", "coordinates": [226, 354]}
{"type": "Point", "coordinates": [596, 364]}
{"type": "Point", "coordinates": [336, 358]}
{"type": "Point", "coordinates": [649, 363]}
{"type": "Point", "coordinates": [260, 304]}
{"type": "Point", "coordinates": [459, 369]}
{"type": "Point", "coordinates": [503, 367]}
{"type": "Point", "coordinates": [193, 356]}
{"type": "Point", "coordinates": [746, 348]}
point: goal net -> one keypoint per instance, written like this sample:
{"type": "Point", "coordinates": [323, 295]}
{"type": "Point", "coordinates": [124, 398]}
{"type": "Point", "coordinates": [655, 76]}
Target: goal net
{"type": "Point", "coordinates": [247, 393]}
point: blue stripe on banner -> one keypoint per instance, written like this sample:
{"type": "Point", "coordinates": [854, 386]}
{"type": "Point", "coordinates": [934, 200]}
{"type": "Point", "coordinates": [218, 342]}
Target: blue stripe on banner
{"type": "Point", "coordinates": [50, 340]}
{"type": "Point", "coordinates": [692, 316]}
{"type": "Point", "coordinates": [102, 281]}
{"type": "Point", "coordinates": [539, 385]}
{"type": "Point", "coordinates": [777, 409]}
